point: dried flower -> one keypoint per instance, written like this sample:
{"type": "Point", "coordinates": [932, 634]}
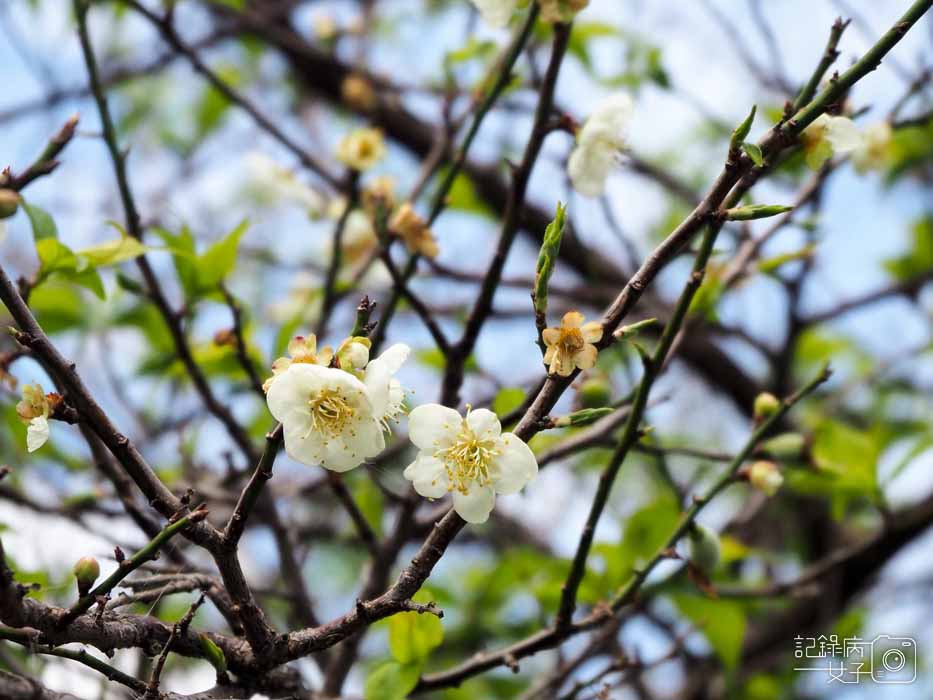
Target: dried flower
{"type": "Point", "coordinates": [571, 345]}
{"type": "Point", "coordinates": [414, 231]}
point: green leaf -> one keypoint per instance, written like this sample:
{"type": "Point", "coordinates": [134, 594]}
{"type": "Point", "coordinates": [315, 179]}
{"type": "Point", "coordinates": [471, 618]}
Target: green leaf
{"type": "Point", "coordinates": [43, 226]}
{"type": "Point", "coordinates": [919, 259]}
{"type": "Point", "coordinates": [741, 131]}
{"type": "Point", "coordinates": [182, 248]}
{"type": "Point", "coordinates": [391, 681]}
{"type": "Point", "coordinates": [507, 400]}
{"type": "Point", "coordinates": [413, 635]}
{"type": "Point", "coordinates": [115, 251]}
{"type": "Point", "coordinates": [579, 43]}
{"type": "Point", "coordinates": [54, 256]}
{"type": "Point", "coordinates": [753, 152]}
{"type": "Point", "coordinates": [722, 622]}
{"type": "Point", "coordinates": [214, 264]}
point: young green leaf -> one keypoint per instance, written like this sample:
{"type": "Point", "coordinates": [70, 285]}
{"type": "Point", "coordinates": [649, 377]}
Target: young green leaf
{"type": "Point", "coordinates": [43, 226]}
{"type": "Point", "coordinates": [754, 152]}
{"type": "Point", "coordinates": [413, 635]}
{"type": "Point", "coordinates": [391, 681]}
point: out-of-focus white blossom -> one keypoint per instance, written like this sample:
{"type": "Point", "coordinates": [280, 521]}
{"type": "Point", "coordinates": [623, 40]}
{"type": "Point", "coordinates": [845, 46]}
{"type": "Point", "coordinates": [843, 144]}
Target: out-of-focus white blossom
{"type": "Point", "coordinates": [599, 142]}
{"type": "Point", "coordinates": [495, 13]}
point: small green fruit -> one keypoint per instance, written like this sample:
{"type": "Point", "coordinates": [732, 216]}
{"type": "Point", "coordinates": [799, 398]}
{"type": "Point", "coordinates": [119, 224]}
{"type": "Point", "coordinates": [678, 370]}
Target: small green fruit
{"type": "Point", "coordinates": [766, 405]}
{"type": "Point", "coordinates": [9, 203]}
{"type": "Point", "coordinates": [86, 572]}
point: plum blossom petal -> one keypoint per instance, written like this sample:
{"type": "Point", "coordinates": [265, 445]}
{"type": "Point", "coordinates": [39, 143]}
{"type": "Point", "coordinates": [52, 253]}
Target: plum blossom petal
{"type": "Point", "coordinates": [428, 476]}
{"type": "Point", "coordinates": [515, 467]}
{"type": "Point", "coordinates": [475, 505]}
{"type": "Point", "coordinates": [432, 425]}
{"type": "Point", "coordinates": [37, 434]}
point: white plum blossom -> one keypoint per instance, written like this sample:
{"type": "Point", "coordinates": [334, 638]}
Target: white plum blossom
{"type": "Point", "coordinates": [599, 142]}
{"type": "Point", "coordinates": [326, 415]}
{"type": "Point", "coordinates": [271, 182]}
{"type": "Point", "coordinates": [872, 152]}
{"type": "Point", "coordinates": [495, 13]}
{"type": "Point", "coordinates": [470, 457]}
{"type": "Point", "coordinates": [385, 391]}
{"type": "Point", "coordinates": [841, 132]}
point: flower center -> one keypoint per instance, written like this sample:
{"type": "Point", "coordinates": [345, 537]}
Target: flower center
{"type": "Point", "coordinates": [571, 340]}
{"type": "Point", "coordinates": [467, 460]}
{"type": "Point", "coordinates": [331, 413]}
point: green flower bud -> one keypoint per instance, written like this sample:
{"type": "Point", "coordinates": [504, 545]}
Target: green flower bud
{"type": "Point", "coordinates": [595, 393]}
{"type": "Point", "coordinates": [584, 416]}
{"type": "Point", "coordinates": [766, 405]}
{"type": "Point", "coordinates": [9, 203]}
{"type": "Point", "coordinates": [213, 653]}
{"type": "Point", "coordinates": [705, 549]}
{"type": "Point", "coordinates": [755, 211]}
{"type": "Point", "coordinates": [86, 572]}
{"type": "Point", "coordinates": [547, 258]}
{"type": "Point", "coordinates": [786, 446]}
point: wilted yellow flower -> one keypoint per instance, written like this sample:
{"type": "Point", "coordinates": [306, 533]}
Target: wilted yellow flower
{"type": "Point", "coordinates": [414, 231]}
{"type": "Point", "coordinates": [571, 345]}
{"type": "Point", "coordinates": [561, 10]}
{"type": "Point", "coordinates": [34, 410]}
{"type": "Point", "coordinates": [301, 350]}
{"type": "Point", "coordinates": [357, 92]}
{"type": "Point", "coordinates": [379, 194]}
{"type": "Point", "coordinates": [361, 149]}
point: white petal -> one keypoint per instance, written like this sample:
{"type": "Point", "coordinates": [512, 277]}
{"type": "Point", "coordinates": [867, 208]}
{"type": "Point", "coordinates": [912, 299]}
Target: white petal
{"type": "Point", "coordinates": [515, 466]}
{"type": "Point", "coordinates": [289, 393]}
{"type": "Point", "coordinates": [37, 433]}
{"type": "Point", "coordinates": [609, 122]}
{"type": "Point", "coordinates": [588, 168]}
{"type": "Point", "coordinates": [484, 424]}
{"type": "Point", "coordinates": [843, 135]}
{"type": "Point", "coordinates": [431, 426]}
{"type": "Point", "coordinates": [475, 506]}
{"type": "Point", "coordinates": [302, 446]}
{"type": "Point", "coordinates": [351, 450]}
{"type": "Point", "coordinates": [428, 476]}
{"type": "Point", "coordinates": [496, 13]}
{"type": "Point", "coordinates": [377, 380]}
{"type": "Point", "coordinates": [395, 356]}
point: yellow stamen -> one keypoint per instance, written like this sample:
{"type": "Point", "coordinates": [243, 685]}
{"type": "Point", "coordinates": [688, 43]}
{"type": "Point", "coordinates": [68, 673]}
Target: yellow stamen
{"type": "Point", "coordinates": [467, 460]}
{"type": "Point", "coordinates": [331, 413]}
